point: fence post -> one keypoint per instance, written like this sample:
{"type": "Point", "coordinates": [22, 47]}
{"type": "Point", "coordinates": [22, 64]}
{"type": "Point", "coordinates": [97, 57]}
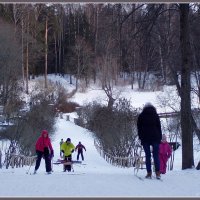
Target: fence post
{"type": "Point", "coordinates": [67, 117]}
{"type": "Point", "coordinates": [61, 115]}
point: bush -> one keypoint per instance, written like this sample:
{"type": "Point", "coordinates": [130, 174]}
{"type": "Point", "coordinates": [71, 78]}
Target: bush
{"type": "Point", "coordinates": [26, 129]}
{"type": "Point", "coordinates": [114, 129]}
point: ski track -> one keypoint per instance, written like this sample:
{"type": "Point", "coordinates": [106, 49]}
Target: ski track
{"type": "Point", "coordinates": [95, 179]}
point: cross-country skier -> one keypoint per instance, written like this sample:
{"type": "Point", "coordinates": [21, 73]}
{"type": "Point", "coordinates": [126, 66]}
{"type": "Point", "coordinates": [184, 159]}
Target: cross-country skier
{"type": "Point", "coordinates": [67, 148]}
{"type": "Point", "coordinates": [80, 148]}
{"type": "Point", "coordinates": [44, 149]}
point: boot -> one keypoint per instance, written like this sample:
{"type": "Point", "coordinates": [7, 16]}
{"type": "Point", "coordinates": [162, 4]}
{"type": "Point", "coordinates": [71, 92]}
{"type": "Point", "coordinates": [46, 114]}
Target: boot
{"type": "Point", "coordinates": [148, 175]}
{"type": "Point", "coordinates": [158, 175]}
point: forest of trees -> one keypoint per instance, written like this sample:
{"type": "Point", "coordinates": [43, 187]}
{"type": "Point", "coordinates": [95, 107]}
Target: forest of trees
{"type": "Point", "coordinates": [103, 42]}
{"type": "Point", "coordinates": [115, 39]}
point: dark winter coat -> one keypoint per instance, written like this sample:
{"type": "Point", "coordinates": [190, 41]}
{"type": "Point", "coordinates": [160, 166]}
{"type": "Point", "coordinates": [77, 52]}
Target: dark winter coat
{"type": "Point", "coordinates": [80, 147]}
{"type": "Point", "coordinates": [149, 127]}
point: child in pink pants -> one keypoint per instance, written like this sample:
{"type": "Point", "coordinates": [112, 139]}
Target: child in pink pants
{"type": "Point", "coordinates": [165, 152]}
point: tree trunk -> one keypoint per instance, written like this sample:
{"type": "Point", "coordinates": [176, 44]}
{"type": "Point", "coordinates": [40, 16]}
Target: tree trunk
{"type": "Point", "coordinates": [56, 59]}
{"type": "Point", "coordinates": [187, 135]}
{"type": "Point", "coordinates": [134, 49]}
{"type": "Point", "coordinates": [46, 51]}
{"type": "Point", "coordinates": [22, 51]}
{"type": "Point", "coordinates": [27, 56]}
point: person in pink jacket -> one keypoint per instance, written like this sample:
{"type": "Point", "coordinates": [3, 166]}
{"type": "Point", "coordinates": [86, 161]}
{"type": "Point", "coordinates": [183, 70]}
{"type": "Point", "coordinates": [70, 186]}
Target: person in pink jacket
{"type": "Point", "coordinates": [165, 152]}
{"type": "Point", "coordinates": [44, 149]}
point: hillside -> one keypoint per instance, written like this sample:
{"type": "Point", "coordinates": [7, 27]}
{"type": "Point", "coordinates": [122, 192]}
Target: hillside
{"type": "Point", "coordinates": [96, 178]}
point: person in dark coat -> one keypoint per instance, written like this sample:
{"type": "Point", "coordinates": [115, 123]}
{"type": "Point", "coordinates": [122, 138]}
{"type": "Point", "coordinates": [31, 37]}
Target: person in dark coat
{"type": "Point", "coordinates": [80, 148]}
{"type": "Point", "coordinates": [150, 134]}
{"type": "Point", "coordinates": [44, 149]}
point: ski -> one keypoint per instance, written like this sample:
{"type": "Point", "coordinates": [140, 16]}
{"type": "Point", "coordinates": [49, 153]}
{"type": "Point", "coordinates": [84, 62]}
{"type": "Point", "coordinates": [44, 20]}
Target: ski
{"type": "Point", "coordinates": [152, 178]}
{"type": "Point", "coordinates": [32, 173]}
{"type": "Point", "coordinates": [74, 173]}
{"type": "Point", "coordinates": [58, 162]}
{"type": "Point", "coordinates": [159, 179]}
{"type": "Point", "coordinates": [139, 177]}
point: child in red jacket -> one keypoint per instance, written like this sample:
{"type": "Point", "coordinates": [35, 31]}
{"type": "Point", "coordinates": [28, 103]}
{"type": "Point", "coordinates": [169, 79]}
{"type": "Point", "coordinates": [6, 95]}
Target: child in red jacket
{"type": "Point", "coordinates": [165, 152]}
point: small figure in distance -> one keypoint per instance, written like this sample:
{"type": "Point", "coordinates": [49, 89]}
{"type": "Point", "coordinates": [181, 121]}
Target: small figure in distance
{"type": "Point", "coordinates": [80, 148]}
{"type": "Point", "coordinates": [61, 142]}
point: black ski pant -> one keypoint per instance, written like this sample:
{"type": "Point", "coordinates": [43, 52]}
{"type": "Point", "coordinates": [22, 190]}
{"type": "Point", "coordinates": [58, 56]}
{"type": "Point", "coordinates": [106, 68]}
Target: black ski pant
{"type": "Point", "coordinates": [80, 152]}
{"type": "Point", "coordinates": [68, 167]}
{"type": "Point", "coordinates": [40, 154]}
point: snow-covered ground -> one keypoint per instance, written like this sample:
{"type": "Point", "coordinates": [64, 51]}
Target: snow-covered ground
{"type": "Point", "coordinates": [97, 178]}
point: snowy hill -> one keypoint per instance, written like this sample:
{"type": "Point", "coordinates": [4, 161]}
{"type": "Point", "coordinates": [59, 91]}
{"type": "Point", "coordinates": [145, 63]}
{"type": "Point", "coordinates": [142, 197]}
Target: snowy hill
{"type": "Point", "coordinates": [96, 178]}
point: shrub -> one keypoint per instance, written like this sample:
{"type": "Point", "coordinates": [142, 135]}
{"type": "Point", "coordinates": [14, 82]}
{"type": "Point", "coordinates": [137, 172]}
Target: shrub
{"type": "Point", "coordinates": [114, 129]}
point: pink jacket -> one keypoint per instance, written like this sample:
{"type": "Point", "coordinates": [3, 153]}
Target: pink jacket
{"type": "Point", "coordinates": [43, 142]}
{"type": "Point", "coordinates": [165, 149]}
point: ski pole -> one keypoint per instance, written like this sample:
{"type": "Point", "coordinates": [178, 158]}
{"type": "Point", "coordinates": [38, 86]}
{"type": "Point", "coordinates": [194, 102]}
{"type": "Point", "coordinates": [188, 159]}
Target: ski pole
{"type": "Point", "coordinates": [29, 169]}
{"type": "Point", "coordinates": [30, 166]}
{"type": "Point", "coordinates": [72, 167]}
{"type": "Point", "coordinates": [52, 164]}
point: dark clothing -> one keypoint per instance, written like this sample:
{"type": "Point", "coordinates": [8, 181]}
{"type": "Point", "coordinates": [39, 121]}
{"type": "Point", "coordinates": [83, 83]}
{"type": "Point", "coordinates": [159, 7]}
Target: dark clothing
{"type": "Point", "coordinates": [44, 149]}
{"type": "Point", "coordinates": [174, 145]}
{"type": "Point", "coordinates": [61, 142]}
{"type": "Point", "coordinates": [150, 134]}
{"type": "Point", "coordinates": [80, 152]}
{"type": "Point", "coordinates": [47, 159]}
{"type": "Point", "coordinates": [80, 148]}
{"type": "Point", "coordinates": [68, 167]}
{"type": "Point", "coordinates": [155, 157]}
{"type": "Point", "coordinates": [149, 127]}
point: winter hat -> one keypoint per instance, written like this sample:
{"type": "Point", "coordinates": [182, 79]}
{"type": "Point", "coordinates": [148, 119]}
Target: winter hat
{"type": "Point", "coordinates": [44, 132]}
{"type": "Point", "coordinates": [68, 140]}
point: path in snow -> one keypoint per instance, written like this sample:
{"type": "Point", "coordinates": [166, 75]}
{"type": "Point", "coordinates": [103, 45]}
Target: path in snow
{"type": "Point", "coordinates": [99, 178]}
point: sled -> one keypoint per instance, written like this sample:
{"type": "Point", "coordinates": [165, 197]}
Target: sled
{"type": "Point", "coordinates": [64, 162]}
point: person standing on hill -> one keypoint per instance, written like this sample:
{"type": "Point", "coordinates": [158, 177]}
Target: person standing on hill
{"type": "Point", "coordinates": [61, 142]}
{"type": "Point", "coordinates": [44, 149]}
{"type": "Point", "coordinates": [80, 148]}
{"type": "Point", "coordinates": [67, 148]}
{"type": "Point", "coordinates": [150, 134]}
{"type": "Point", "coordinates": [165, 152]}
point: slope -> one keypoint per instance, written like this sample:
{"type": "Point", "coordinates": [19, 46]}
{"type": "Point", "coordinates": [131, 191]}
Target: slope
{"type": "Point", "coordinates": [97, 178]}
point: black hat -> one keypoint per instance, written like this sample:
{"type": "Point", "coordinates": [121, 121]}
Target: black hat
{"type": "Point", "coordinates": [68, 140]}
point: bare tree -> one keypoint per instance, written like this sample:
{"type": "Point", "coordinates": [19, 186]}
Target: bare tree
{"type": "Point", "coordinates": [186, 125]}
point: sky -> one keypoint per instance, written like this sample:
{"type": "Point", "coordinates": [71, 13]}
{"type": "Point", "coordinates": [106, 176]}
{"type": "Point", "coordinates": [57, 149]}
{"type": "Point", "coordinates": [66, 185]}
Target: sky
{"type": "Point", "coordinates": [96, 177]}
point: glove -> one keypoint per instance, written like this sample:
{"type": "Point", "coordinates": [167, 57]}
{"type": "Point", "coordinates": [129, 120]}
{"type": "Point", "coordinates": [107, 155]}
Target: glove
{"type": "Point", "coordinates": [72, 151]}
{"type": "Point", "coordinates": [62, 151]}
